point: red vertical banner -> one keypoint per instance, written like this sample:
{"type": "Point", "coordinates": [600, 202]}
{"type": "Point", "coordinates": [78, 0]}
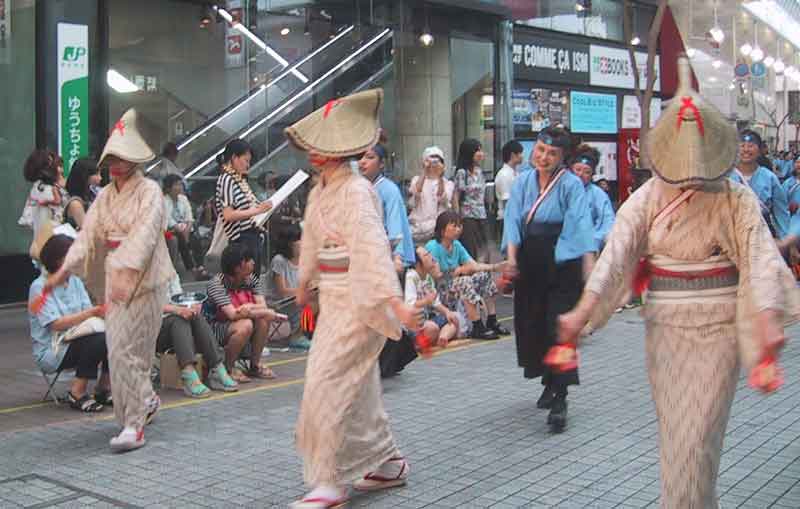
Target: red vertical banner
{"type": "Point", "coordinates": [627, 160]}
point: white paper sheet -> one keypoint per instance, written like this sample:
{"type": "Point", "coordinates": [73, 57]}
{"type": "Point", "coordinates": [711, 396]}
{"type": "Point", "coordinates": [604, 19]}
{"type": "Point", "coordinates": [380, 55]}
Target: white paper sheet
{"type": "Point", "coordinates": [280, 196]}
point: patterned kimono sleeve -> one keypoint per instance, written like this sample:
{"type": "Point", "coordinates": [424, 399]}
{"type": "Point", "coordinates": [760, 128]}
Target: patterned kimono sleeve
{"type": "Point", "coordinates": [614, 271]}
{"type": "Point", "coordinates": [139, 246]}
{"type": "Point", "coordinates": [308, 268]}
{"type": "Point", "coordinates": [373, 280]}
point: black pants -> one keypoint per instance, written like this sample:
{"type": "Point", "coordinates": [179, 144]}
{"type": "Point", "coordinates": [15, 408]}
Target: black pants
{"type": "Point", "coordinates": [187, 336]}
{"type": "Point", "coordinates": [544, 290]}
{"type": "Point", "coordinates": [254, 240]}
{"type": "Point", "coordinates": [85, 354]}
{"type": "Point", "coordinates": [184, 250]}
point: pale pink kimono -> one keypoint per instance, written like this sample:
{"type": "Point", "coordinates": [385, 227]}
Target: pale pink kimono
{"type": "Point", "coordinates": [134, 217]}
{"type": "Point", "coordinates": [696, 341]}
{"type": "Point", "coordinates": [343, 431]}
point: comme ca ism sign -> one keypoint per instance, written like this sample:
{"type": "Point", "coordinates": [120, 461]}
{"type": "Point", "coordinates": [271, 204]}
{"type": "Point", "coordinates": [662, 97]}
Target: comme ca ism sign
{"type": "Point", "coordinates": [553, 59]}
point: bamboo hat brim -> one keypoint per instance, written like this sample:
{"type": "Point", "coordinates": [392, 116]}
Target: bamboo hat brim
{"type": "Point", "coordinates": [342, 128]}
{"type": "Point", "coordinates": [692, 141]}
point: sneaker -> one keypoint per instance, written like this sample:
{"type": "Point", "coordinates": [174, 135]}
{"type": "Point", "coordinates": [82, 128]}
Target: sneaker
{"type": "Point", "coordinates": [498, 329]}
{"type": "Point", "coordinates": [152, 404]}
{"type": "Point", "coordinates": [480, 331]}
{"type": "Point", "coordinates": [302, 343]}
{"type": "Point", "coordinates": [220, 380]}
{"type": "Point", "coordinates": [128, 440]}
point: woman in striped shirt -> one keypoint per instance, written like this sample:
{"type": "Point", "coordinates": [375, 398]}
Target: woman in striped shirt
{"type": "Point", "coordinates": [236, 202]}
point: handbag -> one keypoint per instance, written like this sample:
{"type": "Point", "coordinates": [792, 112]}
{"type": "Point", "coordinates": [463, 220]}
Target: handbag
{"type": "Point", "coordinates": [92, 325]}
{"type": "Point", "coordinates": [219, 241]}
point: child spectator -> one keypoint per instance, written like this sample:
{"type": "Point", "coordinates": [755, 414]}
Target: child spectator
{"type": "Point", "coordinates": [441, 325]}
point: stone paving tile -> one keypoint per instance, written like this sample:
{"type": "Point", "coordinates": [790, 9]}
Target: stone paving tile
{"type": "Point", "coordinates": [467, 422]}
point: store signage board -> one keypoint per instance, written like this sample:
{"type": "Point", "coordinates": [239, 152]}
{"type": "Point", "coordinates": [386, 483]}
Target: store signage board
{"type": "Point", "coordinates": [592, 113]}
{"type": "Point", "coordinates": [611, 67]}
{"type": "Point", "coordinates": [73, 92]}
{"type": "Point", "coordinates": [552, 59]}
{"type": "Point", "coordinates": [234, 43]}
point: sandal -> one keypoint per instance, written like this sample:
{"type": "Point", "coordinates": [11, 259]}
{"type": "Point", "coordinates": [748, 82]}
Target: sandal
{"type": "Point", "coordinates": [374, 481]}
{"type": "Point", "coordinates": [193, 386]}
{"type": "Point", "coordinates": [239, 376]}
{"type": "Point", "coordinates": [83, 404]}
{"type": "Point", "coordinates": [262, 373]}
{"type": "Point", "coordinates": [104, 397]}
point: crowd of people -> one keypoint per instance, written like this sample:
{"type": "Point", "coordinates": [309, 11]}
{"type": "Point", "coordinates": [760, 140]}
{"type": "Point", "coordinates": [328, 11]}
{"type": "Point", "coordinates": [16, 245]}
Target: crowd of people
{"type": "Point", "coordinates": [708, 237]}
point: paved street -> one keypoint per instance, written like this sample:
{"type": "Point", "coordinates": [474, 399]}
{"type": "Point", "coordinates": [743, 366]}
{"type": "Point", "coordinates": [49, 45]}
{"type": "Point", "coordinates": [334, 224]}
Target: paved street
{"type": "Point", "coordinates": [465, 419]}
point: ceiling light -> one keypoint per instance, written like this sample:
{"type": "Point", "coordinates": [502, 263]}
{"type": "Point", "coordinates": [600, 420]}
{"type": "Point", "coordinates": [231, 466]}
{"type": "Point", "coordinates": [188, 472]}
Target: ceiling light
{"type": "Point", "coordinates": [120, 83]}
{"type": "Point", "coordinates": [779, 66]}
{"type": "Point", "coordinates": [746, 49]}
{"type": "Point", "coordinates": [579, 7]}
{"type": "Point", "coordinates": [757, 54]}
{"type": "Point", "coordinates": [768, 61]}
{"type": "Point", "coordinates": [691, 52]}
{"type": "Point", "coordinates": [716, 64]}
{"type": "Point", "coordinates": [426, 39]}
{"type": "Point", "coordinates": [635, 41]}
{"type": "Point", "coordinates": [712, 79]}
{"type": "Point", "coordinates": [717, 34]}
{"type": "Point", "coordinates": [731, 86]}
{"type": "Point", "coordinates": [285, 31]}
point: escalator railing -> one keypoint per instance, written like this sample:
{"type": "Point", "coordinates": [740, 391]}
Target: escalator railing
{"type": "Point", "coordinates": [363, 66]}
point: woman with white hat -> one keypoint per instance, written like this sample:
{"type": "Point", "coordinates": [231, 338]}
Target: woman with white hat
{"type": "Point", "coordinates": [121, 254]}
{"type": "Point", "coordinates": [430, 194]}
{"type": "Point", "coordinates": [343, 431]}
{"type": "Point", "coordinates": [712, 271]}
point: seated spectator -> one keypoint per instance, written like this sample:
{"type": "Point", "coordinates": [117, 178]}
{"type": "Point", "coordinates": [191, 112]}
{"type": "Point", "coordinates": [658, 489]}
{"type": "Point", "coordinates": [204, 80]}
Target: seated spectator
{"type": "Point", "coordinates": [66, 307]}
{"type": "Point", "coordinates": [463, 279]}
{"type": "Point", "coordinates": [84, 177]}
{"type": "Point", "coordinates": [237, 311]}
{"type": "Point", "coordinates": [284, 272]}
{"type": "Point", "coordinates": [430, 194]}
{"type": "Point", "coordinates": [184, 330]}
{"type": "Point", "coordinates": [441, 325]}
{"type": "Point", "coordinates": [180, 224]}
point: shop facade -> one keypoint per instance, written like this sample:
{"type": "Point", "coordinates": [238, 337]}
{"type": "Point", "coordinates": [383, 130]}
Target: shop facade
{"type": "Point", "coordinates": [586, 85]}
{"type": "Point", "coordinates": [200, 73]}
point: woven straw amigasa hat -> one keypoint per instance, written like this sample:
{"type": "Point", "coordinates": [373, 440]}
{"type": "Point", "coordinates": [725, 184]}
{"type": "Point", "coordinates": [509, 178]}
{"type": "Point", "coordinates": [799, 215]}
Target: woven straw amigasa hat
{"type": "Point", "coordinates": [692, 141]}
{"type": "Point", "coordinates": [342, 128]}
{"type": "Point", "coordinates": [126, 142]}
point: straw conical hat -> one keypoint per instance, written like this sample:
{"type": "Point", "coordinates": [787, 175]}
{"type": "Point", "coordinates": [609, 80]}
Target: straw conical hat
{"type": "Point", "coordinates": [343, 127]}
{"type": "Point", "coordinates": [125, 141]}
{"type": "Point", "coordinates": [691, 141]}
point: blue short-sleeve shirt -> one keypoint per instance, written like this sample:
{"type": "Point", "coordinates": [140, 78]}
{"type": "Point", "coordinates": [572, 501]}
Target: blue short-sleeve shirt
{"type": "Point", "coordinates": [448, 260]}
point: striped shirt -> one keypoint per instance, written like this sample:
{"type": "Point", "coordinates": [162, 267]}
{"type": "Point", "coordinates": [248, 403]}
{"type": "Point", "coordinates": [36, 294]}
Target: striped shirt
{"type": "Point", "coordinates": [230, 194]}
{"type": "Point", "coordinates": [219, 286]}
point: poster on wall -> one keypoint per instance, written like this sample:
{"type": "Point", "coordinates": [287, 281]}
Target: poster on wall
{"type": "Point", "coordinates": [593, 113]}
{"type": "Point", "coordinates": [5, 31]}
{"type": "Point", "coordinates": [234, 42]}
{"type": "Point", "coordinates": [521, 109]}
{"type": "Point", "coordinates": [73, 92]}
{"type": "Point", "coordinates": [607, 167]}
{"type": "Point", "coordinates": [549, 107]}
{"type": "Point", "coordinates": [632, 113]}
{"type": "Point", "coordinates": [627, 160]}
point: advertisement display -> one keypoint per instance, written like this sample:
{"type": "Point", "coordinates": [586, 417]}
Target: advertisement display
{"type": "Point", "coordinates": [537, 108]}
{"type": "Point", "coordinates": [592, 113]}
{"type": "Point", "coordinates": [611, 67]}
{"type": "Point", "coordinates": [234, 42]}
{"type": "Point", "coordinates": [627, 161]}
{"type": "Point", "coordinates": [607, 167]}
{"type": "Point", "coordinates": [73, 92]}
{"type": "Point", "coordinates": [632, 112]}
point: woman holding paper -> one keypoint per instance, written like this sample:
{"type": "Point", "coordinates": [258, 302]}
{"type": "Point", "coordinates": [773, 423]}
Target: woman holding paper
{"type": "Point", "coordinates": [237, 204]}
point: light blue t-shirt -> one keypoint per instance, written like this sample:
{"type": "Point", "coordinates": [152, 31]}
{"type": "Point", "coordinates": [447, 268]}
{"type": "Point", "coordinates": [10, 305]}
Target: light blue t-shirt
{"type": "Point", "coordinates": [771, 195]}
{"type": "Point", "coordinates": [65, 300]}
{"type": "Point", "coordinates": [602, 214]}
{"type": "Point", "coordinates": [448, 260]}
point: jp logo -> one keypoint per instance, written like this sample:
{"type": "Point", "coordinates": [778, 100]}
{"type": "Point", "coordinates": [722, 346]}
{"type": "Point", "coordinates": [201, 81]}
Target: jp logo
{"type": "Point", "coordinates": [73, 53]}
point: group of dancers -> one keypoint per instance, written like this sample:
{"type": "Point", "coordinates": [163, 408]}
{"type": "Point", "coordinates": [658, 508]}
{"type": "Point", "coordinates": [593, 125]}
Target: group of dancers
{"type": "Point", "coordinates": [719, 291]}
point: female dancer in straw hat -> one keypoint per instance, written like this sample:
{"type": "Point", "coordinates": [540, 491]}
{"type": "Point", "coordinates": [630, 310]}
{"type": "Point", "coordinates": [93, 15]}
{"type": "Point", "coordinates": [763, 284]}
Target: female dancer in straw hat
{"type": "Point", "coordinates": [121, 254]}
{"type": "Point", "coordinates": [343, 431]}
{"type": "Point", "coordinates": [712, 269]}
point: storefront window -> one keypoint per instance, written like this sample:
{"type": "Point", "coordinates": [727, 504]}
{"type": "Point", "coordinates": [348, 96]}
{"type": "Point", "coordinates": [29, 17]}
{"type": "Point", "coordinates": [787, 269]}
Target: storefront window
{"type": "Point", "coordinates": [603, 19]}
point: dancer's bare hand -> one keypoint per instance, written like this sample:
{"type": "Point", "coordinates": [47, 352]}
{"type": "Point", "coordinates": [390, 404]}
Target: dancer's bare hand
{"type": "Point", "coordinates": [570, 326]}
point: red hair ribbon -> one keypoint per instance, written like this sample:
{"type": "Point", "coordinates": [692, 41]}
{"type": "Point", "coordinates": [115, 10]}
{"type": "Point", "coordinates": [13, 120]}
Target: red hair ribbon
{"type": "Point", "coordinates": [119, 126]}
{"type": "Point", "coordinates": [688, 104]}
{"type": "Point", "coordinates": [329, 106]}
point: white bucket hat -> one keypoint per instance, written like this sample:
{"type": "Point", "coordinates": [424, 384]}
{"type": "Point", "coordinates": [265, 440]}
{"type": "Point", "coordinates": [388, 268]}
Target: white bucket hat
{"type": "Point", "coordinates": [692, 141]}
